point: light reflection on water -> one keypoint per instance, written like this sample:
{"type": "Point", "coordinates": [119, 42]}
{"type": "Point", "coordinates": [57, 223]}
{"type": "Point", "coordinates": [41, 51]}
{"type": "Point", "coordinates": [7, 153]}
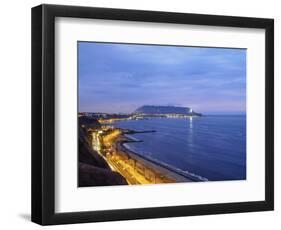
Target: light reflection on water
{"type": "Point", "coordinates": [190, 123]}
{"type": "Point", "coordinates": [213, 146]}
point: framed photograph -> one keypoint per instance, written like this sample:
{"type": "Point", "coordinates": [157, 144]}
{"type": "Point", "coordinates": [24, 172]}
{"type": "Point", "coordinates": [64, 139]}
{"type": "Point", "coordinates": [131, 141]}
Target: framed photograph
{"type": "Point", "coordinates": [142, 114]}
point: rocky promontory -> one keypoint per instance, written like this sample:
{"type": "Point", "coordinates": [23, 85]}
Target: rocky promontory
{"type": "Point", "coordinates": [165, 110]}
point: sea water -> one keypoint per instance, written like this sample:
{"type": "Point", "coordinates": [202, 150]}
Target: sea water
{"type": "Point", "coordinates": [210, 147]}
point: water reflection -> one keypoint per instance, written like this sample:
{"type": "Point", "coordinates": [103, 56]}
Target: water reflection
{"type": "Point", "coordinates": [190, 123]}
{"type": "Point", "coordinates": [190, 132]}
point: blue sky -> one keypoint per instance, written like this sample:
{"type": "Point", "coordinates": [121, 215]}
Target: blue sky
{"type": "Point", "coordinates": [121, 77]}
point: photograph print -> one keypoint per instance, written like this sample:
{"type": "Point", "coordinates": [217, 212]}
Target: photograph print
{"type": "Point", "coordinates": [155, 114]}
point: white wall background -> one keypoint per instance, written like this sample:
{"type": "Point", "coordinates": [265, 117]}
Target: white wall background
{"type": "Point", "coordinates": [15, 118]}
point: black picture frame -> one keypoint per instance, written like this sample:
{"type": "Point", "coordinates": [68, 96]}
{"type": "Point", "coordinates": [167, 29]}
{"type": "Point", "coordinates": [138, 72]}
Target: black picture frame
{"type": "Point", "coordinates": [43, 110]}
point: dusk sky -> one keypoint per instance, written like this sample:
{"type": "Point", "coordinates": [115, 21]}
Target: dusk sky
{"type": "Point", "coordinates": [117, 78]}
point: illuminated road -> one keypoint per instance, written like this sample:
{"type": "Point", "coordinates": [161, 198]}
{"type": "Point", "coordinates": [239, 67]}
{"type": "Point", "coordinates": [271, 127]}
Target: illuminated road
{"type": "Point", "coordinates": [109, 139]}
{"type": "Point", "coordinates": [127, 171]}
{"type": "Point", "coordinates": [130, 169]}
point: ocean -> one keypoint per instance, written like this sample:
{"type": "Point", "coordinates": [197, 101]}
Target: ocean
{"type": "Point", "coordinates": [210, 147]}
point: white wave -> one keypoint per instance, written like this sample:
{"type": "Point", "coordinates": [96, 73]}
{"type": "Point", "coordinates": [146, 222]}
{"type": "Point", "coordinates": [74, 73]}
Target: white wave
{"type": "Point", "coordinates": [180, 171]}
{"type": "Point", "coordinates": [131, 137]}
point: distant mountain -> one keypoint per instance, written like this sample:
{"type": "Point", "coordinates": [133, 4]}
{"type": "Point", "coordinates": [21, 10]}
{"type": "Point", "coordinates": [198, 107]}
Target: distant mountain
{"type": "Point", "coordinates": [157, 110]}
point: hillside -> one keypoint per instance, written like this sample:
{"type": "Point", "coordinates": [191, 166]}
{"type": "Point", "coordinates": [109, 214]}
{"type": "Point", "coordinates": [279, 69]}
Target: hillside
{"type": "Point", "coordinates": [93, 169]}
{"type": "Point", "coordinates": [157, 110]}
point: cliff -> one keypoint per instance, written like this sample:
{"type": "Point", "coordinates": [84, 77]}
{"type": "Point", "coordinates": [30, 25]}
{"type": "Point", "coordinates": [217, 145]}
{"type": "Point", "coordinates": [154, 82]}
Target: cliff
{"type": "Point", "coordinates": [90, 175]}
{"type": "Point", "coordinates": [93, 169]}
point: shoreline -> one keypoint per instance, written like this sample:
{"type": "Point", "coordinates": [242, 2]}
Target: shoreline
{"type": "Point", "coordinates": [134, 166]}
{"type": "Point", "coordinates": [188, 176]}
{"type": "Point", "coordinates": [124, 154]}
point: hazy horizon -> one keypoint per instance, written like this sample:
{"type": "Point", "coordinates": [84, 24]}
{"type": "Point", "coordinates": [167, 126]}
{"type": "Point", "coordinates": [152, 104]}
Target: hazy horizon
{"type": "Point", "coordinates": [119, 78]}
{"type": "Point", "coordinates": [208, 113]}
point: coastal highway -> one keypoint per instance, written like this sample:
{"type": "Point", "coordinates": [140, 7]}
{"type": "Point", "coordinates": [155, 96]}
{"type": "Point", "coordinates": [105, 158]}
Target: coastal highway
{"type": "Point", "coordinates": [117, 164]}
{"type": "Point", "coordinates": [127, 171]}
{"type": "Point", "coordinates": [132, 167]}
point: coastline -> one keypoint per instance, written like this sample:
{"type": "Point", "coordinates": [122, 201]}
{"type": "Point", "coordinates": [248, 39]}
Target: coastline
{"type": "Point", "coordinates": [160, 164]}
{"type": "Point", "coordinates": [128, 162]}
{"type": "Point", "coordinates": [132, 150]}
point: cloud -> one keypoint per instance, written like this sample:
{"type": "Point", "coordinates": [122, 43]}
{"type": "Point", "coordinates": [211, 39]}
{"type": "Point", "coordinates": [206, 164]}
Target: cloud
{"type": "Point", "coordinates": [133, 75]}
